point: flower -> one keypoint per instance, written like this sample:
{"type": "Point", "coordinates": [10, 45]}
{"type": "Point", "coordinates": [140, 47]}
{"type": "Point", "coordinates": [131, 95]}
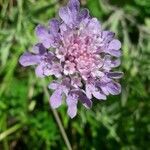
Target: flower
{"type": "Point", "coordinates": [80, 54]}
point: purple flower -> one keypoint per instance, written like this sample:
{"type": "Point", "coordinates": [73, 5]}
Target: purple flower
{"type": "Point", "coordinates": [79, 54]}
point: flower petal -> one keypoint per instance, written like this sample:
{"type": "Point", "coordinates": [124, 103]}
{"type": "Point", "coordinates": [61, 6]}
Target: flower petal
{"type": "Point", "coordinates": [102, 84]}
{"type": "Point", "coordinates": [28, 59]}
{"type": "Point", "coordinates": [115, 75]}
{"type": "Point", "coordinates": [53, 85]}
{"type": "Point", "coordinates": [47, 70]}
{"type": "Point", "coordinates": [115, 63]}
{"type": "Point", "coordinates": [88, 91]}
{"type": "Point", "coordinates": [72, 111]}
{"type": "Point", "coordinates": [72, 105]}
{"type": "Point", "coordinates": [82, 97]}
{"type": "Point", "coordinates": [74, 5]}
{"type": "Point", "coordinates": [54, 32]}
{"type": "Point", "coordinates": [110, 63]}
{"type": "Point", "coordinates": [39, 49]}
{"type": "Point", "coordinates": [104, 90]}
{"type": "Point", "coordinates": [65, 15]}
{"type": "Point", "coordinates": [54, 25]}
{"type": "Point", "coordinates": [55, 70]}
{"type": "Point", "coordinates": [94, 26]}
{"type": "Point", "coordinates": [85, 100]}
{"type": "Point", "coordinates": [107, 36]}
{"type": "Point", "coordinates": [39, 71]}
{"type": "Point", "coordinates": [44, 37]}
{"type": "Point", "coordinates": [99, 95]}
{"type": "Point", "coordinates": [114, 88]}
{"type": "Point", "coordinates": [56, 98]}
{"type": "Point", "coordinates": [76, 81]}
{"type": "Point", "coordinates": [114, 44]}
{"type": "Point", "coordinates": [116, 53]}
{"type": "Point", "coordinates": [84, 13]}
{"type": "Point", "coordinates": [92, 90]}
{"type": "Point", "coordinates": [69, 13]}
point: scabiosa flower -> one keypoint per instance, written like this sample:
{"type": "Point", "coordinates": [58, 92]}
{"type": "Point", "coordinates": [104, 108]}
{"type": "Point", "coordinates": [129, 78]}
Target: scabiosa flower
{"type": "Point", "coordinates": [80, 54]}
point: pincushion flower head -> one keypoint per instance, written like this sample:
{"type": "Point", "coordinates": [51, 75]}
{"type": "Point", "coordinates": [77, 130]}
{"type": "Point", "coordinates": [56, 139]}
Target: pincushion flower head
{"type": "Point", "coordinates": [80, 54]}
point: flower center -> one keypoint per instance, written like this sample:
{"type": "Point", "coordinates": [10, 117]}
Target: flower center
{"type": "Point", "coordinates": [78, 55]}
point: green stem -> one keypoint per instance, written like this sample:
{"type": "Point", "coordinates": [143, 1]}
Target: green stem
{"type": "Point", "coordinates": [57, 118]}
{"type": "Point", "coordinates": [9, 131]}
{"type": "Point", "coordinates": [63, 133]}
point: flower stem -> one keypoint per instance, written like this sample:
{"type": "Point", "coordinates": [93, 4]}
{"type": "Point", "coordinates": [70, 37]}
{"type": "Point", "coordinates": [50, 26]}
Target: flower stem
{"type": "Point", "coordinates": [62, 130]}
{"type": "Point", "coordinates": [58, 120]}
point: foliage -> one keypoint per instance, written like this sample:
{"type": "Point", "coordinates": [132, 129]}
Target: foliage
{"type": "Point", "coordinates": [121, 122]}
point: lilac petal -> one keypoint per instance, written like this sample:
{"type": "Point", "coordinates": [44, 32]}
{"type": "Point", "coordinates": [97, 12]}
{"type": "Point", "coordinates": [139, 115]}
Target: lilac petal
{"type": "Point", "coordinates": [102, 85]}
{"type": "Point", "coordinates": [72, 111]}
{"type": "Point", "coordinates": [85, 100]}
{"type": "Point", "coordinates": [64, 14]}
{"type": "Point", "coordinates": [44, 37]}
{"type": "Point", "coordinates": [109, 63]}
{"type": "Point", "coordinates": [55, 70]}
{"type": "Point", "coordinates": [88, 91]}
{"type": "Point", "coordinates": [63, 28]}
{"type": "Point", "coordinates": [99, 95]}
{"type": "Point", "coordinates": [47, 70]}
{"type": "Point", "coordinates": [39, 49]}
{"type": "Point", "coordinates": [92, 90]}
{"type": "Point", "coordinates": [84, 23]}
{"type": "Point", "coordinates": [82, 97]}
{"type": "Point", "coordinates": [54, 29]}
{"type": "Point", "coordinates": [49, 57]}
{"type": "Point", "coordinates": [116, 53]}
{"type": "Point", "coordinates": [114, 44]}
{"type": "Point", "coordinates": [76, 82]}
{"type": "Point", "coordinates": [56, 73]}
{"type": "Point", "coordinates": [53, 85]}
{"type": "Point", "coordinates": [56, 98]}
{"type": "Point", "coordinates": [72, 105]}
{"type": "Point", "coordinates": [107, 36]}
{"type": "Point", "coordinates": [94, 26]}
{"type": "Point", "coordinates": [66, 85]}
{"type": "Point", "coordinates": [66, 82]}
{"type": "Point", "coordinates": [54, 25]}
{"type": "Point", "coordinates": [28, 59]}
{"type": "Point", "coordinates": [65, 90]}
{"type": "Point", "coordinates": [69, 13]}
{"type": "Point", "coordinates": [114, 88]}
{"type": "Point", "coordinates": [104, 90]}
{"type": "Point", "coordinates": [39, 71]}
{"type": "Point", "coordinates": [74, 5]}
{"type": "Point", "coordinates": [115, 63]}
{"type": "Point", "coordinates": [115, 75]}
{"type": "Point", "coordinates": [83, 15]}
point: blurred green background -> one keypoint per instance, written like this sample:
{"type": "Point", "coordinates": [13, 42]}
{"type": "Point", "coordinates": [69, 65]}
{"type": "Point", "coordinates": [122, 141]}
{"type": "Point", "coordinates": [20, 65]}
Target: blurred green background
{"type": "Point", "coordinates": [26, 120]}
